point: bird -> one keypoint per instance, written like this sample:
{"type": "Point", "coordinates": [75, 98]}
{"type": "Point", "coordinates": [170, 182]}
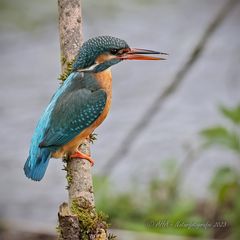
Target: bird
{"type": "Point", "coordinates": [80, 104]}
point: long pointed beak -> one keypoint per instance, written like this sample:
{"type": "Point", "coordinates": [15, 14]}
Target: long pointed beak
{"type": "Point", "coordinates": [137, 54]}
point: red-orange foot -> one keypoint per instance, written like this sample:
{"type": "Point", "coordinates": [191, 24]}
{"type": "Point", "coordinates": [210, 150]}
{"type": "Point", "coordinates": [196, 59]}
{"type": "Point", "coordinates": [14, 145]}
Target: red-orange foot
{"type": "Point", "coordinates": [82, 156]}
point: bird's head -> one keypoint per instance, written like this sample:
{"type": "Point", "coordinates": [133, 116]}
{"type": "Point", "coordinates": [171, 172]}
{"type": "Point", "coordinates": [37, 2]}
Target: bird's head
{"type": "Point", "coordinates": [99, 53]}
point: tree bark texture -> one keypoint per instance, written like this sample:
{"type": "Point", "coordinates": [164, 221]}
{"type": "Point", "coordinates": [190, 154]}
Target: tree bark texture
{"type": "Point", "coordinates": [77, 218]}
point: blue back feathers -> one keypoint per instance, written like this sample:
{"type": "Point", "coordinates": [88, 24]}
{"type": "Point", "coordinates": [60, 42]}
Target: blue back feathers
{"type": "Point", "coordinates": [81, 108]}
{"type": "Point", "coordinates": [37, 161]}
{"type": "Point", "coordinates": [74, 107]}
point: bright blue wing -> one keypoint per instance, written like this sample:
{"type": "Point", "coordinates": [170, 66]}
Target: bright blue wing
{"type": "Point", "coordinates": [38, 159]}
{"type": "Point", "coordinates": [71, 115]}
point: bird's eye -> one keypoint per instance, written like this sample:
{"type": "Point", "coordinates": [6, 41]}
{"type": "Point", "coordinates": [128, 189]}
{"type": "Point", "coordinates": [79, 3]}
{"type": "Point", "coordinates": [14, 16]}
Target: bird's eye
{"type": "Point", "coordinates": [113, 51]}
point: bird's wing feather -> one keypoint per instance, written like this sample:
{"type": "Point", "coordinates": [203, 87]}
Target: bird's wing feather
{"type": "Point", "coordinates": [72, 114]}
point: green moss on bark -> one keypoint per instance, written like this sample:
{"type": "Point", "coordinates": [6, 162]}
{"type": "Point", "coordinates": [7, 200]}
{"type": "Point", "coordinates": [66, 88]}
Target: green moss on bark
{"type": "Point", "coordinates": [68, 69]}
{"type": "Point", "coordinates": [90, 221]}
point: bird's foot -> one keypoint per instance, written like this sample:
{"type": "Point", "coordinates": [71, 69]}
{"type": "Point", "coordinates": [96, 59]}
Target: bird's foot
{"type": "Point", "coordinates": [92, 137]}
{"type": "Point", "coordinates": [82, 156]}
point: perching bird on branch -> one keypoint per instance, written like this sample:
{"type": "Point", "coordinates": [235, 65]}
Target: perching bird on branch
{"type": "Point", "coordinates": [80, 104]}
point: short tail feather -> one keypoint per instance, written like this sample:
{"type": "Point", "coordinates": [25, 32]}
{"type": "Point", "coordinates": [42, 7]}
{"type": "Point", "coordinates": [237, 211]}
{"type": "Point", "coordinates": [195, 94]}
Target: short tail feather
{"type": "Point", "coordinates": [38, 169]}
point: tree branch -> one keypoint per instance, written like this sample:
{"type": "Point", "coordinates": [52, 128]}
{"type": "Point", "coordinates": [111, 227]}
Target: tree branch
{"type": "Point", "coordinates": [77, 219]}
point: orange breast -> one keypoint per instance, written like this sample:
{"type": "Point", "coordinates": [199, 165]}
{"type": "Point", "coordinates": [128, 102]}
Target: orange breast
{"type": "Point", "coordinates": [105, 81]}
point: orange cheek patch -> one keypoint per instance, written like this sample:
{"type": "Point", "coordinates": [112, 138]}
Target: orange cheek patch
{"type": "Point", "coordinates": [103, 58]}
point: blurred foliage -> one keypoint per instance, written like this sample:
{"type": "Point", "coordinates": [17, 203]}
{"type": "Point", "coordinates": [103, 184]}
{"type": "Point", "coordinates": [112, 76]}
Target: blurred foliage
{"type": "Point", "coordinates": [233, 114]}
{"type": "Point", "coordinates": [157, 208]}
{"type": "Point", "coordinates": [27, 15]}
{"type": "Point", "coordinates": [225, 184]}
{"type": "Point", "coordinates": [223, 136]}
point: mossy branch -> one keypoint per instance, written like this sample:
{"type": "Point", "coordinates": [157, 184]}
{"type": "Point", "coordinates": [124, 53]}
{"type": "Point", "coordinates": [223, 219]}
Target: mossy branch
{"type": "Point", "coordinates": [78, 219]}
{"type": "Point", "coordinates": [68, 68]}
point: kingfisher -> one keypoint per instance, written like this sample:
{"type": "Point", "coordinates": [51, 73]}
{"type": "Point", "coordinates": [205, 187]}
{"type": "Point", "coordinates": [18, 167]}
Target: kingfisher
{"type": "Point", "coordinates": [80, 104]}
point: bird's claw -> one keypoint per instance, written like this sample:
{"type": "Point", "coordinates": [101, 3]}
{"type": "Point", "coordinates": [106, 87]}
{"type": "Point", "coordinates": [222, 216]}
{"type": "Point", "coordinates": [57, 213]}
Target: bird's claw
{"type": "Point", "coordinates": [82, 156]}
{"type": "Point", "coordinates": [92, 137]}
